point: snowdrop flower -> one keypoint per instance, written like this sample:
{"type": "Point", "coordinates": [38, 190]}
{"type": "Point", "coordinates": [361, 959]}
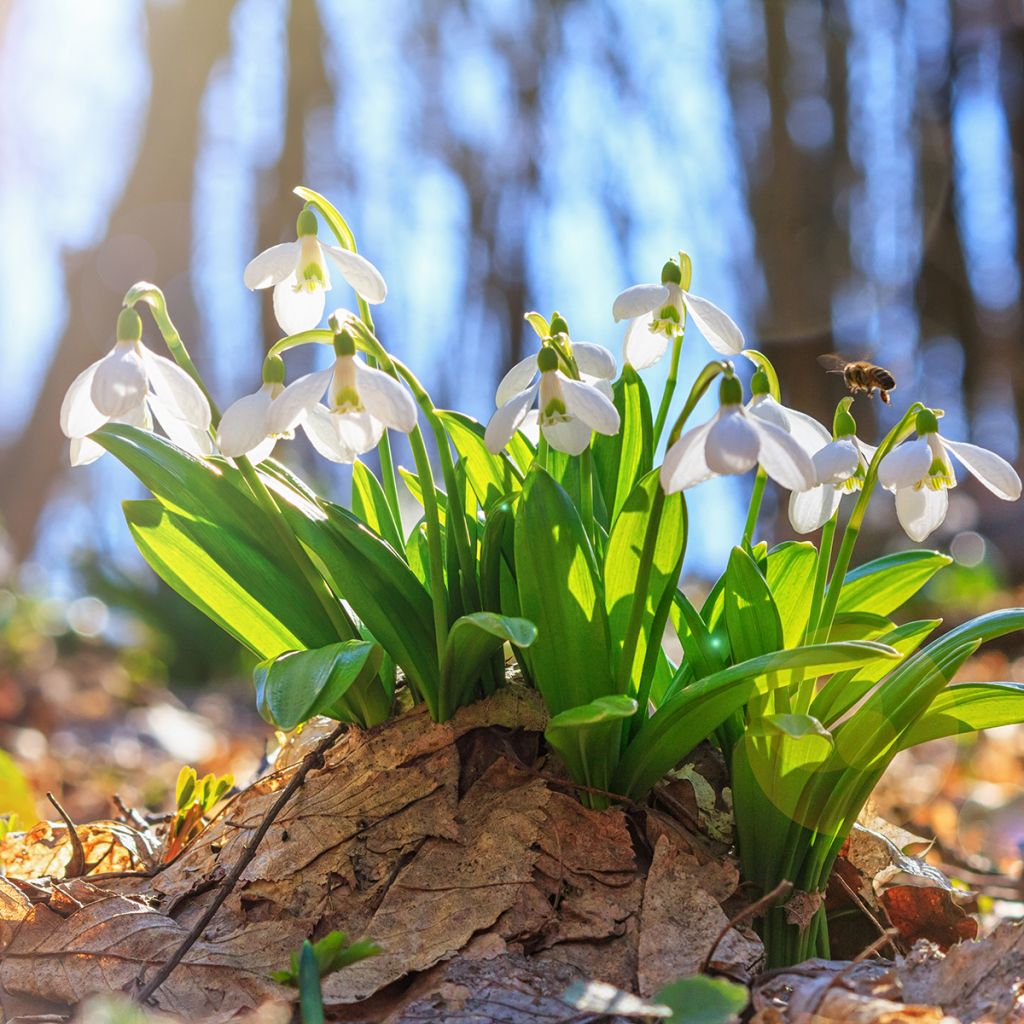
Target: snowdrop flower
{"type": "Point", "coordinates": [298, 273]}
{"type": "Point", "coordinates": [569, 410]}
{"type": "Point", "coordinates": [920, 473]}
{"type": "Point", "coordinates": [361, 403]}
{"type": "Point", "coordinates": [656, 312]}
{"type": "Point", "coordinates": [733, 441]}
{"type": "Point", "coordinates": [131, 385]}
{"type": "Point", "coordinates": [840, 466]}
{"type": "Point", "coordinates": [245, 426]}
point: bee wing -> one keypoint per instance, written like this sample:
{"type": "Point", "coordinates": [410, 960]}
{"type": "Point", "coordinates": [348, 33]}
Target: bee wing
{"type": "Point", "coordinates": [833, 363]}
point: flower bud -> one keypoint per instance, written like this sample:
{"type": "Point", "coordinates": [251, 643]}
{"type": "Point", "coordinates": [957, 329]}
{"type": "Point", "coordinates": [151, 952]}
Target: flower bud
{"type": "Point", "coordinates": [843, 423]}
{"type": "Point", "coordinates": [547, 360]}
{"type": "Point", "coordinates": [129, 325]}
{"type": "Point", "coordinates": [558, 325]}
{"type": "Point", "coordinates": [670, 273]}
{"type": "Point", "coordinates": [343, 344]}
{"type": "Point", "coordinates": [759, 383]}
{"type": "Point", "coordinates": [730, 391]}
{"type": "Point", "coordinates": [927, 422]}
{"type": "Point", "coordinates": [306, 223]}
{"type": "Point", "coordinates": [273, 370]}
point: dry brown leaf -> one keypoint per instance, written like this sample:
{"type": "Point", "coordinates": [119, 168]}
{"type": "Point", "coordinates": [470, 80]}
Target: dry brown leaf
{"type": "Point", "coordinates": [46, 850]}
{"type": "Point", "coordinates": [680, 921]}
{"type": "Point", "coordinates": [15, 906]}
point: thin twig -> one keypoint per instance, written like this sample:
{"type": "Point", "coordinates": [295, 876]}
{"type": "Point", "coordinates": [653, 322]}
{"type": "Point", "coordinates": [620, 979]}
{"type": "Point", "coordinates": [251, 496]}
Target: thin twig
{"type": "Point", "coordinates": [784, 888]}
{"type": "Point", "coordinates": [76, 866]}
{"type": "Point", "coordinates": [129, 814]}
{"type": "Point", "coordinates": [866, 911]}
{"type": "Point", "coordinates": [314, 759]}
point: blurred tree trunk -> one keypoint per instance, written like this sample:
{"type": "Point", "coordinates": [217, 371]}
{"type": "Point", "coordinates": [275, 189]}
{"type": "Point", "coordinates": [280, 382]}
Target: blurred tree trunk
{"type": "Point", "coordinates": [308, 91]}
{"type": "Point", "coordinates": [153, 214]}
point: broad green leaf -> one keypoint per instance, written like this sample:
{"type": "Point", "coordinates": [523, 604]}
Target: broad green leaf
{"type": "Point", "coordinates": [293, 687]}
{"type": "Point", "coordinates": [751, 617]}
{"type": "Point", "coordinates": [472, 641]}
{"type": "Point", "coordinates": [782, 751]}
{"type": "Point", "coordinates": [791, 568]}
{"type": "Point", "coordinates": [967, 707]}
{"type": "Point", "coordinates": [588, 740]}
{"type": "Point", "coordinates": [692, 714]}
{"type": "Point", "coordinates": [621, 459]}
{"type": "Point", "coordinates": [412, 481]}
{"type": "Point", "coordinates": [185, 788]}
{"type": "Point", "coordinates": [703, 1000]}
{"type": "Point", "coordinates": [651, 529]}
{"type": "Point", "coordinates": [704, 654]}
{"type": "Point", "coordinates": [370, 504]}
{"type": "Point", "coordinates": [15, 795]}
{"type": "Point", "coordinates": [883, 585]}
{"type": "Point", "coordinates": [492, 477]}
{"type": "Point", "coordinates": [859, 626]}
{"type": "Point", "coordinates": [559, 589]}
{"type": "Point", "coordinates": [227, 578]}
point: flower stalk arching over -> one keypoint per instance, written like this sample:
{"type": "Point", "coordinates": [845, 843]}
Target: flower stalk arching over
{"type": "Point", "coordinates": [297, 271]}
{"type": "Point", "coordinates": [732, 442]}
{"type": "Point", "coordinates": [132, 385]}
{"type": "Point", "coordinates": [362, 402]}
{"type": "Point", "coordinates": [569, 410]}
{"type": "Point", "coordinates": [657, 313]}
{"type": "Point", "coordinates": [920, 473]}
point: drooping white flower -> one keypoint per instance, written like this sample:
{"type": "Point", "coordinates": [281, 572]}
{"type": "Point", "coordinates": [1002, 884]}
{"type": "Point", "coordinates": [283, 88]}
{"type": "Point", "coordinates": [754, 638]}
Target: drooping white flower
{"type": "Point", "coordinates": [733, 441]}
{"type": "Point", "coordinates": [361, 403]}
{"type": "Point", "coordinates": [569, 411]}
{"type": "Point", "coordinates": [656, 313]}
{"type": "Point", "coordinates": [131, 385]}
{"type": "Point", "coordinates": [920, 473]}
{"type": "Point", "coordinates": [245, 428]}
{"type": "Point", "coordinates": [300, 279]}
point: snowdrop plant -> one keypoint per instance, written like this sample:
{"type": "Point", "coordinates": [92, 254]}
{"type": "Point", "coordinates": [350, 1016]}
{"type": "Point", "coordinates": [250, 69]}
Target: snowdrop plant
{"type": "Point", "coordinates": [561, 550]}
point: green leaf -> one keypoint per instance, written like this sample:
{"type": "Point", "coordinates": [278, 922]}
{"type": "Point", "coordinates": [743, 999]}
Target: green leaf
{"type": "Point", "coordinates": [412, 482]}
{"type": "Point", "coordinates": [15, 795]}
{"type": "Point", "coordinates": [703, 654]}
{"type": "Point", "coordinates": [472, 641]}
{"type": "Point", "coordinates": [492, 477]}
{"type": "Point", "coordinates": [751, 617]}
{"type": "Point", "coordinates": [650, 527]}
{"type": "Point", "coordinates": [310, 996]}
{"type": "Point", "coordinates": [370, 504]}
{"type": "Point", "coordinates": [559, 589]}
{"type": "Point", "coordinates": [185, 788]}
{"type": "Point", "coordinates": [588, 740]}
{"type": "Point", "coordinates": [232, 581]}
{"type": "Point", "coordinates": [967, 707]}
{"type": "Point", "coordinates": [883, 585]}
{"type": "Point", "coordinates": [859, 626]}
{"type": "Point", "coordinates": [791, 568]}
{"type": "Point", "coordinates": [703, 1000]}
{"type": "Point", "coordinates": [293, 687]}
{"type": "Point", "coordinates": [692, 714]}
{"type": "Point", "coordinates": [621, 459]}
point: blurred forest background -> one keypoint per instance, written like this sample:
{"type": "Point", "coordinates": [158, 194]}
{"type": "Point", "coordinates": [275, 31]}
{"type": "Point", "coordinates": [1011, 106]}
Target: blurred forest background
{"type": "Point", "coordinates": [845, 174]}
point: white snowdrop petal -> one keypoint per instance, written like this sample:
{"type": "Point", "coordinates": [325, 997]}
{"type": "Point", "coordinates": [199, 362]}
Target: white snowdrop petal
{"type": "Point", "coordinates": [119, 381]}
{"type": "Point", "coordinates": [366, 280]}
{"type": "Point", "coordinates": [262, 451]}
{"type": "Point", "coordinates": [570, 436]}
{"type": "Point", "coordinates": [685, 464]}
{"type": "Point", "coordinates": [810, 510]}
{"type": "Point", "coordinates": [988, 468]}
{"type": "Point", "coordinates": [297, 399]}
{"type": "Point", "coordinates": [506, 420]}
{"type": "Point", "coordinates": [718, 328]}
{"type": "Point", "coordinates": [585, 402]}
{"type": "Point", "coordinates": [640, 299]}
{"type": "Point", "coordinates": [594, 360]}
{"type": "Point", "coordinates": [321, 429]}
{"type": "Point", "coordinates": [272, 265]}
{"type": "Point", "coordinates": [78, 415]}
{"type": "Point", "coordinates": [385, 398]}
{"type": "Point", "coordinates": [641, 346]}
{"type": "Point", "coordinates": [811, 435]}
{"type": "Point", "coordinates": [921, 510]}
{"type": "Point", "coordinates": [733, 443]}
{"type": "Point", "coordinates": [177, 390]}
{"type": "Point", "coordinates": [298, 310]}
{"type": "Point", "coordinates": [836, 462]}
{"type": "Point", "coordinates": [185, 435]}
{"type": "Point", "coordinates": [530, 427]}
{"type": "Point", "coordinates": [84, 451]}
{"type": "Point", "coordinates": [244, 425]}
{"type": "Point", "coordinates": [517, 379]}
{"type": "Point", "coordinates": [783, 458]}
{"type": "Point", "coordinates": [766, 408]}
{"type": "Point", "coordinates": [905, 465]}
{"type": "Point", "coordinates": [358, 431]}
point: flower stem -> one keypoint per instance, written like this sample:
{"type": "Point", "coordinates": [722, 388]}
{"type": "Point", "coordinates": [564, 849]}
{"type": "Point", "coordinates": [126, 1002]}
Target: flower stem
{"type": "Point", "coordinates": [754, 509]}
{"type": "Point", "coordinates": [670, 386]}
{"type": "Point", "coordinates": [587, 492]}
{"type": "Point", "coordinates": [541, 458]}
{"type": "Point", "coordinates": [828, 533]}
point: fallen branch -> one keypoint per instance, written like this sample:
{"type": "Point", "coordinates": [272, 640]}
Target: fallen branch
{"type": "Point", "coordinates": [314, 759]}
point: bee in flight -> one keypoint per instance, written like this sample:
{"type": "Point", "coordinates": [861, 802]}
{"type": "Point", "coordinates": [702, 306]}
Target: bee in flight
{"type": "Point", "coordinates": [861, 376]}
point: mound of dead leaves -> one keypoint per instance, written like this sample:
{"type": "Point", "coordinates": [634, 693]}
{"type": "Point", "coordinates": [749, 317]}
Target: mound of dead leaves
{"type": "Point", "coordinates": [471, 863]}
